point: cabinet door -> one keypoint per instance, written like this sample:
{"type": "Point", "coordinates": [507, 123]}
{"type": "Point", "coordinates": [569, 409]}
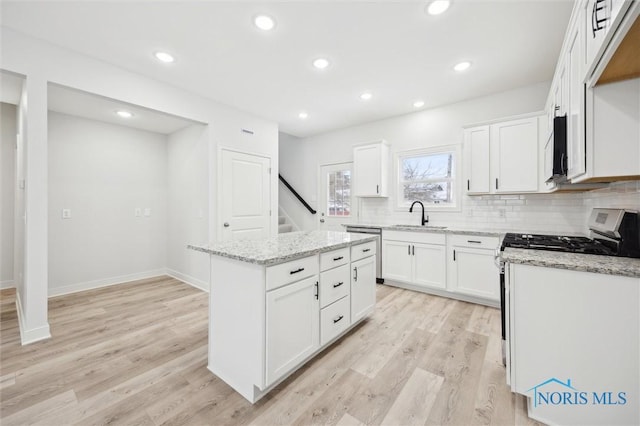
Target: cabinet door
{"type": "Point", "coordinates": [429, 265]}
{"type": "Point", "coordinates": [367, 170]}
{"type": "Point", "coordinates": [476, 154]}
{"type": "Point", "coordinates": [396, 260]}
{"type": "Point", "coordinates": [575, 66]}
{"type": "Point", "coordinates": [363, 287]}
{"type": "Point", "coordinates": [293, 326]}
{"type": "Point", "coordinates": [514, 156]}
{"type": "Point", "coordinates": [474, 272]}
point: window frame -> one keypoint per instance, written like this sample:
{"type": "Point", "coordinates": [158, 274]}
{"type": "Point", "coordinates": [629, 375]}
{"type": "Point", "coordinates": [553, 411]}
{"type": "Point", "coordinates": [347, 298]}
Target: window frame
{"type": "Point", "coordinates": [455, 150]}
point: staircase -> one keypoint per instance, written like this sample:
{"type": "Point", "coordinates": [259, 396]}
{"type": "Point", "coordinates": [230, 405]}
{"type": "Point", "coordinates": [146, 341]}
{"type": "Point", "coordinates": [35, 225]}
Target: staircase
{"type": "Point", "coordinates": [284, 225]}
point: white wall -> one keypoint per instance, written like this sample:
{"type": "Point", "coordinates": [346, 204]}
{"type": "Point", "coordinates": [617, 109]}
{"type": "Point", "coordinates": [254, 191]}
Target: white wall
{"type": "Point", "coordinates": [102, 173]}
{"type": "Point", "coordinates": [41, 63]}
{"type": "Point", "coordinates": [187, 207]}
{"type": "Point", "coordinates": [8, 129]}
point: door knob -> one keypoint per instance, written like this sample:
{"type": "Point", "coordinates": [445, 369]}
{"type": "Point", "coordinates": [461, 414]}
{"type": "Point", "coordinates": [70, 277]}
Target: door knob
{"type": "Point", "coordinates": [226, 224]}
{"type": "Point", "coordinates": [321, 220]}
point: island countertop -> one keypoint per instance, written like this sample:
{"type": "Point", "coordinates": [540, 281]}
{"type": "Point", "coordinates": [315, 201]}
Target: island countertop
{"type": "Point", "coordinates": [284, 247]}
{"type": "Point", "coordinates": [607, 265]}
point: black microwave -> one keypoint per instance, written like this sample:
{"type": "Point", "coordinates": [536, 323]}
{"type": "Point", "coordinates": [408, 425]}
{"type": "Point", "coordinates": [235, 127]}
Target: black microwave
{"type": "Point", "coordinates": [560, 158]}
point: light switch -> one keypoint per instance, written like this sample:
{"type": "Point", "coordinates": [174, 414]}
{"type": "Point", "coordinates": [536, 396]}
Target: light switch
{"type": "Point", "coordinates": [137, 212]}
{"type": "Point", "coordinates": [66, 213]}
{"type": "Point", "coordinates": [147, 212]}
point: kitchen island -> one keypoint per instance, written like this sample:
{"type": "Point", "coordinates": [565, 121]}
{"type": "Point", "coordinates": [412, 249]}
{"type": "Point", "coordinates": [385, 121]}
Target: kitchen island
{"type": "Point", "coordinates": [276, 303]}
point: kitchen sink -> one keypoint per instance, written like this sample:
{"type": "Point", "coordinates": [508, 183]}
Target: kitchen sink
{"type": "Point", "coordinates": [418, 226]}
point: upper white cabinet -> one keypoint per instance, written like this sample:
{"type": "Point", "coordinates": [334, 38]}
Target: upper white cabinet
{"type": "Point", "coordinates": [514, 156]}
{"type": "Point", "coordinates": [371, 170]}
{"type": "Point", "coordinates": [503, 157]}
{"type": "Point", "coordinates": [476, 159]}
{"type": "Point", "coordinates": [575, 101]}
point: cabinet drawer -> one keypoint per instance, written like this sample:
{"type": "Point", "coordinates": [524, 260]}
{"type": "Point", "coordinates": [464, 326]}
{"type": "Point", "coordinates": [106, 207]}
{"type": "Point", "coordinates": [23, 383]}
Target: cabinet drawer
{"type": "Point", "coordinates": [415, 237]}
{"type": "Point", "coordinates": [363, 250]}
{"type": "Point", "coordinates": [334, 285]}
{"type": "Point", "coordinates": [334, 319]}
{"type": "Point", "coordinates": [334, 258]}
{"type": "Point", "coordinates": [292, 271]}
{"type": "Point", "coordinates": [479, 241]}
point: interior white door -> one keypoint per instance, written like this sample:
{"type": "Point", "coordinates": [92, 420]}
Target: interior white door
{"type": "Point", "coordinates": [245, 196]}
{"type": "Point", "coordinates": [336, 197]}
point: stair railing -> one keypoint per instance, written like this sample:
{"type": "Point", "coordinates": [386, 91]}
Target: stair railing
{"type": "Point", "coordinates": [294, 192]}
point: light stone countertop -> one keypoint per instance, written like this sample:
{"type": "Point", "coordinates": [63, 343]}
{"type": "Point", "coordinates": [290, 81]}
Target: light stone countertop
{"type": "Point", "coordinates": [284, 247]}
{"type": "Point", "coordinates": [608, 265]}
{"type": "Point", "coordinates": [427, 228]}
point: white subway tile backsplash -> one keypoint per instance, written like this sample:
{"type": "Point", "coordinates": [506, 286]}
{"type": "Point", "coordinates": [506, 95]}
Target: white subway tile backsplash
{"type": "Point", "coordinates": [556, 213]}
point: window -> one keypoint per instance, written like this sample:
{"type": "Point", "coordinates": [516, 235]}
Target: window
{"type": "Point", "coordinates": [428, 176]}
{"type": "Point", "coordinates": [339, 193]}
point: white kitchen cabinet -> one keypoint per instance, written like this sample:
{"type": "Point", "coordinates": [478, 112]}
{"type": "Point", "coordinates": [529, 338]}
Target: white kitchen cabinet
{"type": "Point", "coordinates": [575, 67]}
{"type": "Point", "coordinates": [476, 155]}
{"type": "Point", "coordinates": [363, 293]}
{"type": "Point", "coordinates": [292, 327]}
{"type": "Point", "coordinates": [514, 156]}
{"type": "Point", "coordinates": [502, 157]}
{"type": "Point", "coordinates": [371, 170]}
{"type": "Point", "coordinates": [416, 258]}
{"type": "Point", "coordinates": [578, 326]}
{"type": "Point", "coordinates": [472, 266]}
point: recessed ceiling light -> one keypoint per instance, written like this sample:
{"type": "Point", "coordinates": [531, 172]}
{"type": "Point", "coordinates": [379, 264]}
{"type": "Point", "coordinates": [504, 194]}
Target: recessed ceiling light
{"type": "Point", "coordinates": [303, 115]}
{"type": "Point", "coordinates": [462, 66]}
{"type": "Point", "coordinates": [264, 22]}
{"type": "Point", "coordinates": [321, 63]}
{"type": "Point", "coordinates": [418, 104]}
{"type": "Point", "coordinates": [165, 57]}
{"type": "Point", "coordinates": [437, 7]}
{"type": "Point", "coordinates": [124, 114]}
{"type": "Point", "coordinates": [366, 96]}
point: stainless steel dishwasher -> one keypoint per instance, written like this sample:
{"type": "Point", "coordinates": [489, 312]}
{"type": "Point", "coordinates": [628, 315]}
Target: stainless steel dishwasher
{"type": "Point", "coordinates": [357, 229]}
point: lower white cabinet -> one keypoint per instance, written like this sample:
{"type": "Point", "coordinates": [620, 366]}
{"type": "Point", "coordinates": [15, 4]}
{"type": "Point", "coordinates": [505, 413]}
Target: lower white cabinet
{"type": "Point", "coordinates": [575, 326]}
{"type": "Point", "coordinates": [267, 321]}
{"type": "Point", "coordinates": [417, 258]}
{"type": "Point", "coordinates": [363, 294]}
{"type": "Point", "coordinates": [292, 326]}
{"type": "Point", "coordinates": [460, 266]}
{"type": "Point", "coordinates": [472, 266]}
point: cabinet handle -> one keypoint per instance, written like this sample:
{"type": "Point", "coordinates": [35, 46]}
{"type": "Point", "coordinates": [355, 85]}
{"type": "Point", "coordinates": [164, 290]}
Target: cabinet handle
{"type": "Point", "coordinates": [377, 189]}
{"type": "Point", "coordinates": [468, 185]}
{"type": "Point", "coordinates": [366, 250]}
{"type": "Point", "coordinates": [409, 249]}
{"type": "Point", "coordinates": [474, 241]}
{"type": "Point", "coordinates": [338, 285]}
{"type": "Point", "coordinates": [355, 270]}
{"type": "Point", "coordinates": [454, 255]}
{"type": "Point", "coordinates": [496, 183]}
{"type": "Point", "coordinates": [296, 271]}
{"type": "Point", "coordinates": [316, 292]}
{"type": "Point", "coordinates": [562, 169]}
{"type": "Point", "coordinates": [413, 250]}
{"type": "Point", "coordinates": [335, 259]}
{"type": "Point", "coordinates": [595, 22]}
{"type": "Point", "coordinates": [338, 319]}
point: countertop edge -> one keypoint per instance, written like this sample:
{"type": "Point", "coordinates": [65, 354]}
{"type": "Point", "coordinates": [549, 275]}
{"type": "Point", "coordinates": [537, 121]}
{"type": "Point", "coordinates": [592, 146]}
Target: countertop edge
{"type": "Point", "coordinates": [445, 230]}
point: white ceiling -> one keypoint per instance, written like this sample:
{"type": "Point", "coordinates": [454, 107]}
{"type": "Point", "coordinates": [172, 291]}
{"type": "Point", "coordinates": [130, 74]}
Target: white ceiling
{"type": "Point", "coordinates": [391, 48]}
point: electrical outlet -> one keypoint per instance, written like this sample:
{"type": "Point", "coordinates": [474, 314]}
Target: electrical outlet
{"type": "Point", "coordinates": [502, 212]}
{"type": "Point", "coordinates": [137, 212]}
{"type": "Point", "coordinates": [147, 212]}
{"type": "Point", "coordinates": [66, 213]}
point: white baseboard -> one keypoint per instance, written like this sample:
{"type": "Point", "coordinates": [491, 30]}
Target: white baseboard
{"type": "Point", "coordinates": [192, 281]}
{"type": "Point", "coordinates": [90, 285]}
{"type": "Point", "coordinates": [33, 335]}
{"type": "Point", "coordinates": [6, 284]}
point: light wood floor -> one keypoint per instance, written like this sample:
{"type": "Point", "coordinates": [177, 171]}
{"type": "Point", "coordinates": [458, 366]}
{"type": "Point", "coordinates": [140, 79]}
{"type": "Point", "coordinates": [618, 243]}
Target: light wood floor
{"type": "Point", "coordinates": [136, 354]}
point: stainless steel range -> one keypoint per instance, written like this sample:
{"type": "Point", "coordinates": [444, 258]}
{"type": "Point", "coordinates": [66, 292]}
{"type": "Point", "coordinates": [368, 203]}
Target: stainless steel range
{"type": "Point", "coordinates": [614, 232]}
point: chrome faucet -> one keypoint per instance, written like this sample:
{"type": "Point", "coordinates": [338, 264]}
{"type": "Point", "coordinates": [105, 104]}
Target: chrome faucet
{"type": "Point", "coordinates": [424, 221]}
